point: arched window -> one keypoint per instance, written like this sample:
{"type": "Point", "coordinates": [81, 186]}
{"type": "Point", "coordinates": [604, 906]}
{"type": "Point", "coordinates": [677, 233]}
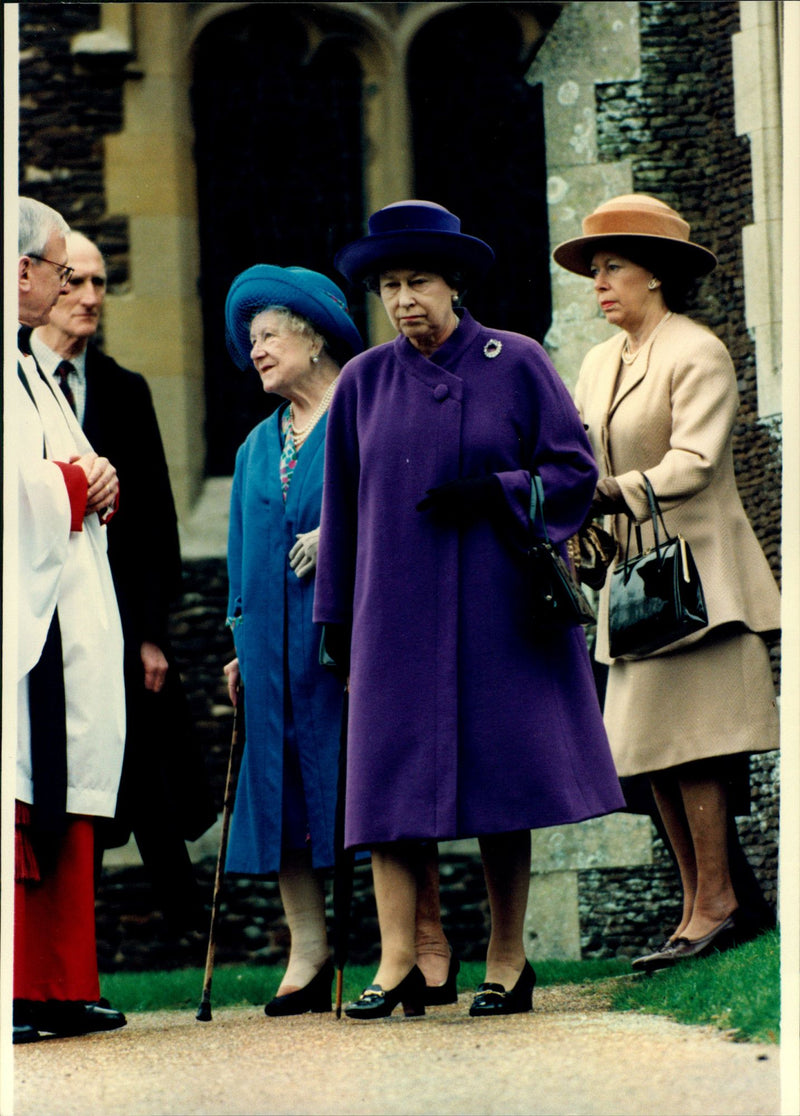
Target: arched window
{"type": "Point", "coordinates": [278, 155]}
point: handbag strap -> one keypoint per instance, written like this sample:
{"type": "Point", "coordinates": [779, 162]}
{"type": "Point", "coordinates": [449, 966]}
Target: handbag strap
{"type": "Point", "coordinates": [537, 506]}
{"type": "Point", "coordinates": [656, 516]}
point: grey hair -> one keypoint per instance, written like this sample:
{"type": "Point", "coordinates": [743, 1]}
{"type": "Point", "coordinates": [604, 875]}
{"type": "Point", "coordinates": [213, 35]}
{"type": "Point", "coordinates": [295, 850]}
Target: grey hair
{"type": "Point", "coordinates": [296, 323]}
{"type": "Point", "coordinates": [37, 223]}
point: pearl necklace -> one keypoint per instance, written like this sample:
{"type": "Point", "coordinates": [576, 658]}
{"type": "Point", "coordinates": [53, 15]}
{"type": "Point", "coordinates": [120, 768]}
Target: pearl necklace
{"type": "Point", "coordinates": [627, 356]}
{"type": "Point", "coordinates": [299, 436]}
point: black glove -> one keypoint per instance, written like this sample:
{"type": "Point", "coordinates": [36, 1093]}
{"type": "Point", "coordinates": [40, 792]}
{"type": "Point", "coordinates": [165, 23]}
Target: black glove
{"type": "Point", "coordinates": [334, 649]}
{"type": "Point", "coordinates": [463, 500]}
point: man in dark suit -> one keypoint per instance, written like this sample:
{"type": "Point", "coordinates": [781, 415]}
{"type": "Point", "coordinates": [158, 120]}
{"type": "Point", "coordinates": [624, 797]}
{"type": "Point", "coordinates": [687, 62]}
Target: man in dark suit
{"type": "Point", "coordinates": [164, 796]}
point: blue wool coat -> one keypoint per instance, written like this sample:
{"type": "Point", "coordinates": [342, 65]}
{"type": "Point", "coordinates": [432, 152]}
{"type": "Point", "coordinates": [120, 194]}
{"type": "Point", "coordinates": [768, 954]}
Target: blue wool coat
{"type": "Point", "coordinates": [464, 720]}
{"type": "Point", "coordinates": [278, 644]}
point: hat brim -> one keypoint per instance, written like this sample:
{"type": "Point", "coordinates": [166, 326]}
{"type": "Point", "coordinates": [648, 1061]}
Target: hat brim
{"type": "Point", "coordinates": [366, 256]}
{"type": "Point", "coordinates": [265, 285]}
{"type": "Point", "coordinates": [575, 255]}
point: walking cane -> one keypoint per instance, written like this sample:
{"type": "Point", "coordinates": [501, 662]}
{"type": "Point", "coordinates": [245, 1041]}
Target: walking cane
{"type": "Point", "coordinates": [204, 1010]}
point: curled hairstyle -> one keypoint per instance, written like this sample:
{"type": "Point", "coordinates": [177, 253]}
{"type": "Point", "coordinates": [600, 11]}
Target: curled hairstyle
{"type": "Point", "coordinates": [37, 223]}
{"type": "Point", "coordinates": [296, 323]}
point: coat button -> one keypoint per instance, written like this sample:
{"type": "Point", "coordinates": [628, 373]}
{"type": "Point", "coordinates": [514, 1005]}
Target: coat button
{"type": "Point", "coordinates": [440, 392]}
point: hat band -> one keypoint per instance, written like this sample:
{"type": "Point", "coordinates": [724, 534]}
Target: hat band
{"type": "Point", "coordinates": [627, 222]}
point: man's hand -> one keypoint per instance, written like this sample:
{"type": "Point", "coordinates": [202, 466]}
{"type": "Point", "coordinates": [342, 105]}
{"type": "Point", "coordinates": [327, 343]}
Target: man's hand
{"type": "Point", "coordinates": [155, 666]}
{"type": "Point", "coordinates": [102, 479]}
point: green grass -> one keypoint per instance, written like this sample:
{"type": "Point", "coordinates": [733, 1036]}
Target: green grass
{"type": "Point", "coordinates": [737, 991]}
{"type": "Point", "coordinates": [241, 985]}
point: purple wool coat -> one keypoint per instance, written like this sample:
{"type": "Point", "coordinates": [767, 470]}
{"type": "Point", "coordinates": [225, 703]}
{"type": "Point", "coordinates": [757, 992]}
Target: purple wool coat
{"type": "Point", "coordinates": [463, 719]}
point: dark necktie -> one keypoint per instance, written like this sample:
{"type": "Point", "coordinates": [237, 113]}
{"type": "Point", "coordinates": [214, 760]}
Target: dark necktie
{"type": "Point", "coordinates": [63, 371]}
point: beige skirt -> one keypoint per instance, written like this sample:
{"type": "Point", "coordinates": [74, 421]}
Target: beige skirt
{"type": "Point", "coordinates": [714, 698]}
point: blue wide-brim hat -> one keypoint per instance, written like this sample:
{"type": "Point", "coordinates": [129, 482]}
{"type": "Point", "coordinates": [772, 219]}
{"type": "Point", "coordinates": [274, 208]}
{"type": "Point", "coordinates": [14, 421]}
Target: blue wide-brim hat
{"type": "Point", "coordinates": [308, 293]}
{"type": "Point", "coordinates": [411, 229]}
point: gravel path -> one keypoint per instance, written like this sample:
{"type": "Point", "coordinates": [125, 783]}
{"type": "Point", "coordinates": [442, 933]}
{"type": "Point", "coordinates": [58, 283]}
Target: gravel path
{"type": "Point", "coordinates": [569, 1056]}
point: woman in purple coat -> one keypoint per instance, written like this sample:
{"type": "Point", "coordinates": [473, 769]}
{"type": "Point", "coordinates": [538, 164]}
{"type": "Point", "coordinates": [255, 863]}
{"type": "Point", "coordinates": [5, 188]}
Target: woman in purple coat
{"type": "Point", "coordinates": [464, 720]}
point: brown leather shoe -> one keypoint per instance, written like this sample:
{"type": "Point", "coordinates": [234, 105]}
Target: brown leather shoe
{"type": "Point", "coordinates": [722, 937]}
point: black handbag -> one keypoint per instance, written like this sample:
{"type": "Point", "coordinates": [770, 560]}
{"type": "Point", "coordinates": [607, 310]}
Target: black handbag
{"type": "Point", "coordinates": [655, 597]}
{"type": "Point", "coordinates": [556, 597]}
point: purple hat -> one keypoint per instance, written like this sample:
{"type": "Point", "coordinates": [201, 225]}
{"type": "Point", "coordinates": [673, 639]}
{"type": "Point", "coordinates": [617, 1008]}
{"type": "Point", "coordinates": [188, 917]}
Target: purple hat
{"type": "Point", "coordinates": [307, 293]}
{"type": "Point", "coordinates": [411, 229]}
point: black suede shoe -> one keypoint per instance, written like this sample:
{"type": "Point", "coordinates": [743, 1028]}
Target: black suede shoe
{"type": "Point", "coordinates": [492, 999]}
{"type": "Point", "coordinates": [447, 993]}
{"type": "Point", "coordinates": [316, 996]}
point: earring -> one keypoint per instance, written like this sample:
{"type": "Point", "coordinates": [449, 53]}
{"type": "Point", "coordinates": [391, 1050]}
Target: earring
{"type": "Point", "coordinates": [315, 358]}
{"type": "Point", "coordinates": [651, 286]}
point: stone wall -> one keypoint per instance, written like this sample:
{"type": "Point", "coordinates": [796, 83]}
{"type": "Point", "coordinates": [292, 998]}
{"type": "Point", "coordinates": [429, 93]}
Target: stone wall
{"type": "Point", "coordinates": [61, 157]}
{"type": "Point", "coordinates": [676, 126]}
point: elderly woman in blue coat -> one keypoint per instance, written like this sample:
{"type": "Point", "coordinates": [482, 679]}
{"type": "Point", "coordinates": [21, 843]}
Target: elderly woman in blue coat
{"type": "Point", "coordinates": [292, 325]}
{"type": "Point", "coordinates": [465, 721]}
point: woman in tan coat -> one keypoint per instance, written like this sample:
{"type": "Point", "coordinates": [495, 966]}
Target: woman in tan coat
{"type": "Point", "coordinates": [660, 398]}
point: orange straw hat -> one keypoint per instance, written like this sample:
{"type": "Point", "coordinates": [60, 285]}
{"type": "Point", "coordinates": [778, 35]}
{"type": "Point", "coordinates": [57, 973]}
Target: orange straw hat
{"type": "Point", "coordinates": [649, 224]}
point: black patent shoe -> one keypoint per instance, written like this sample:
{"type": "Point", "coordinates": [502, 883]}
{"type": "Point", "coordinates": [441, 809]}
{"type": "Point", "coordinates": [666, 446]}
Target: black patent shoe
{"type": "Point", "coordinates": [316, 996]}
{"type": "Point", "coordinates": [447, 993]}
{"type": "Point", "coordinates": [75, 1018]}
{"type": "Point", "coordinates": [492, 999]}
{"type": "Point", "coordinates": [376, 1002]}
{"type": "Point", "coordinates": [23, 1032]}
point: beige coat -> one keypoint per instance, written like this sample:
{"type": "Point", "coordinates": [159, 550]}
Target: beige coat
{"type": "Point", "coordinates": [673, 418]}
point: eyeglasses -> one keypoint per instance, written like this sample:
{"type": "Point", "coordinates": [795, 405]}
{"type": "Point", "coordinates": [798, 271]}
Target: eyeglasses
{"type": "Point", "coordinates": [65, 272]}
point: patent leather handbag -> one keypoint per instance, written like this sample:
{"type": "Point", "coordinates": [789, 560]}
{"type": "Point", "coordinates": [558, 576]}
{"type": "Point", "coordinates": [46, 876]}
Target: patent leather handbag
{"type": "Point", "coordinates": [556, 597]}
{"type": "Point", "coordinates": [655, 596]}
